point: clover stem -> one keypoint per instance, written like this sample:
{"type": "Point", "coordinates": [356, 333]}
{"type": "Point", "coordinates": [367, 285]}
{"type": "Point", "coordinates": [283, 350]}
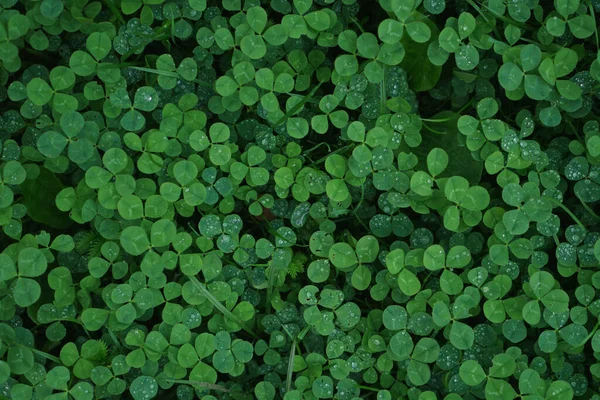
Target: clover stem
{"type": "Point", "coordinates": [36, 53]}
{"type": "Point", "coordinates": [311, 100]}
{"type": "Point", "coordinates": [119, 65]}
{"type": "Point", "coordinates": [172, 28]}
{"type": "Point", "coordinates": [270, 284]}
{"type": "Point", "coordinates": [459, 112]}
{"type": "Point", "coordinates": [382, 93]}
{"type": "Point", "coordinates": [116, 12]}
{"type": "Point", "coordinates": [193, 229]}
{"type": "Point", "coordinates": [362, 196]}
{"type": "Point", "coordinates": [357, 23]}
{"type": "Point", "coordinates": [565, 209]}
{"type": "Point", "coordinates": [593, 14]}
{"type": "Point", "coordinates": [436, 119]}
{"type": "Point", "coordinates": [171, 74]}
{"type": "Point", "coordinates": [509, 21]}
{"type": "Point", "coordinates": [433, 130]}
{"type": "Point", "coordinates": [594, 329]}
{"type": "Point", "coordinates": [467, 104]}
{"type": "Point", "coordinates": [587, 207]}
{"type": "Point", "coordinates": [480, 11]}
{"type": "Point", "coordinates": [556, 241]}
{"type": "Point", "coordinates": [219, 306]}
{"type": "Point", "coordinates": [73, 320]}
{"type": "Point", "coordinates": [204, 385]}
{"type": "Point", "coordinates": [157, 36]}
{"type": "Point", "coordinates": [426, 279]}
{"type": "Point", "coordinates": [372, 389]}
{"type": "Point", "coordinates": [575, 131]}
{"type": "Point", "coordinates": [316, 147]}
{"type": "Point", "coordinates": [340, 150]}
{"type": "Point", "coordinates": [298, 105]}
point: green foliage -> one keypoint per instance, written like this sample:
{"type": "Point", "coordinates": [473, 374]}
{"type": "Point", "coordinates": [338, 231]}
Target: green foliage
{"type": "Point", "coordinates": [299, 199]}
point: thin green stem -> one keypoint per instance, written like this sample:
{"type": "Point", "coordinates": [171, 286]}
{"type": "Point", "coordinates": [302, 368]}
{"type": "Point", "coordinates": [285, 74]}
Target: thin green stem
{"type": "Point", "coordinates": [478, 9]}
{"type": "Point", "coordinates": [556, 241]}
{"type": "Point", "coordinates": [171, 74]}
{"type": "Point", "coordinates": [383, 94]}
{"type": "Point", "coordinates": [510, 21]}
{"type": "Point", "coordinates": [591, 334]}
{"type": "Point", "coordinates": [565, 209]}
{"type": "Point", "coordinates": [158, 35]}
{"type": "Point", "coordinates": [113, 65]}
{"type": "Point", "coordinates": [219, 306]}
{"type": "Point", "coordinates": [73, 320]}
{"type": "Point", "coordinates": [114, 338]}
{"type": "Point", "coordinates": [270, 285]}
{"type": "Point", "coordinates": [311, 100]}
{"type": "Point", "coordinates": [194, 229]}
{"type": "Point", "coordinates": [316, 147]}
{"type": "Point", "coordinates": [303, 332]}
{"type": "Point", "coordinates": [433, 130]}
{"type": "Point", "coordinates": [298, 105]}
{"type": "Point", "coordinates": [357, 23]}
{"type": "Point", "coordinates": [437, 120]}
{"type": "Point", "coordinates": [372, 389]}
{"type": "Point", "coordinates": [116, 12]}
{"type": "Point", "coordinates": [340, 150]}
{"type": "Point", "coordinates": [463, 108]}
{"type": "Point", "coordinates": [593, 14]}
{"type": "Point", "coordinates": [355, 210]}
{"type": "Point", "coordinates": [172, 28]}
{"type": "Point", "coordinates": [45, 355]}
{"type": "Point", "coordinates": [459, 112]}
{"type": "Point", "coordinates": [575, 131]}
{"type": "Point", "coordinates": [290, 368]}
{"type": "Point", "coordinates": [588, 209]}
{"type": "Point", "coordinates": [204, 385]}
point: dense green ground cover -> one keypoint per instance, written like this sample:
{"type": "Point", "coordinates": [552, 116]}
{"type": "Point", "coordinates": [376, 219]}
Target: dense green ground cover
{"type": "Point", "coordinates": [299, 199]}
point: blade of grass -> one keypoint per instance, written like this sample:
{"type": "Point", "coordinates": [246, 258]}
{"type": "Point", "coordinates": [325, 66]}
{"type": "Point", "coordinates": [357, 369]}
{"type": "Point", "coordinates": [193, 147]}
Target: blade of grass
{"type": "Point", "coordinates": [290, 368]}
{"type": "Point", "coordinates": [45, 355]}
